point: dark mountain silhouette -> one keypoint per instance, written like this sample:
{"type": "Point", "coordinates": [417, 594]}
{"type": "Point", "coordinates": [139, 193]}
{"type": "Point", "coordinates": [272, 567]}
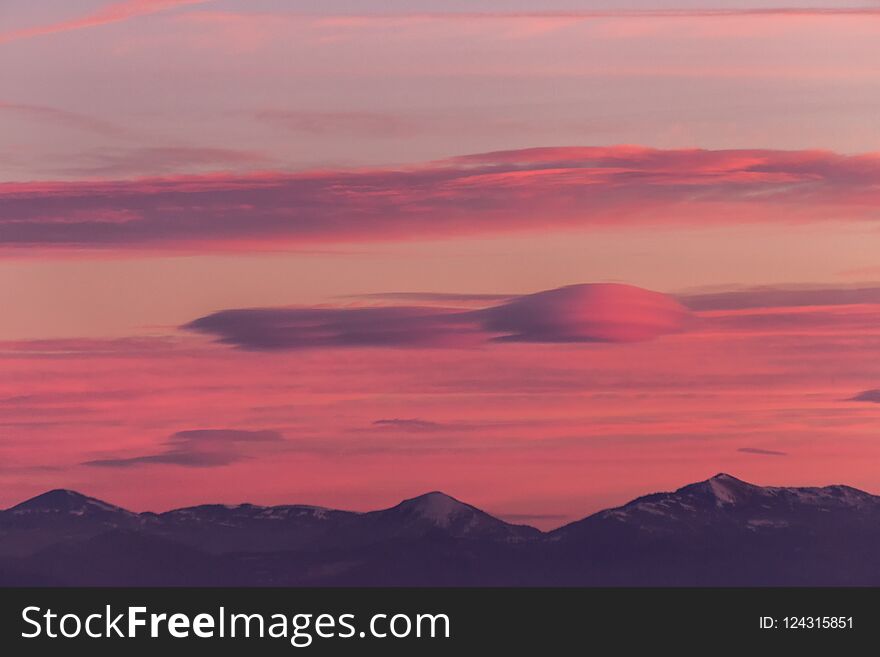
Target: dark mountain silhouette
{"type": "Point", "coordinates": [59, 515]}
{"type": "Point", "coordinates": [724, 531]}
{"type": "Point", "coordinates": [439, 514]}
{"type": "Point", "coordinates": [220, 529]}
{"type": "Point", "coordinates": [721, 531]}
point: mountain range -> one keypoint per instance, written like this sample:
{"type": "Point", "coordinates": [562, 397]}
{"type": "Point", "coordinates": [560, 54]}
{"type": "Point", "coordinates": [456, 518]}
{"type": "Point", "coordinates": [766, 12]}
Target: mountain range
{"type": "Point", "coordinates": [718, 532]}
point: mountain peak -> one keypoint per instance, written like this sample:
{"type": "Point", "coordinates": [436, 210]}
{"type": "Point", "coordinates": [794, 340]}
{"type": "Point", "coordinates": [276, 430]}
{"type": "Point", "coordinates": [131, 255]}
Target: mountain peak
{"type": "Point", "coordinates": [433, 495]}
{"type": "Point", "coordinates": [435, 506]}
{"type": "Point", "coordinates": [722, 489]}
{"type": "Point", "coordinates": [438, 511]}
{"type": "Point", "coordinates": [724, 477]}
{"type": "Point", "coordinates": [65, 501]}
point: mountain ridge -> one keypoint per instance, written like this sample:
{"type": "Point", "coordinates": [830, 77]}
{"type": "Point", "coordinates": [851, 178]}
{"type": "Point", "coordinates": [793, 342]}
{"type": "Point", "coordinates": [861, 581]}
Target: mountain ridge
{"type": "Point", "coordinates": [718, 532]}
{"type": "Point", "coordinates": [723, 487]}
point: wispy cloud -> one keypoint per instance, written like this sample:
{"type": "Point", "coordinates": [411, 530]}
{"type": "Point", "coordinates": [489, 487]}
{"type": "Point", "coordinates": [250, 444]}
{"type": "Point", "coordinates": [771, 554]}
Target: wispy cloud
{"type": "Point", "coordinates": [413, 424]}
{"type": "Point", "coordinates": [708, 12]}
{"type": "Point", "coordinates": [334, 17]}
{"type": "Point", "coordinates": [436, 297]}
{"type": "Point", "coordinates": [761, 452]}
{"type": "Point", "coordinates": [111, 13]}
{"type": "Point", "coordinates": [64, 117]}
{"type": "Point", "coordinates": [199, 448]}
{"type": "Point", "coordinates": [416, 425]}
{"type": "Point", "coordinates": [533, 189]}
{"type": "Point", "coordinates": [162, 160]}
{"type": "Point", "coordinates": [780, 297]}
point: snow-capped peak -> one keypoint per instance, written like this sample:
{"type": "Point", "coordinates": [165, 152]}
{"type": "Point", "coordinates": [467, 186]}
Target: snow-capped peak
{"type": "Point", "coordinates": [725, 488]}
{"type": "Point", "coordinates": [722, 489]}
{"type": "Point", "coordinates": [64, 501]}
{"type": "Point", "coordinates": [436, 507]}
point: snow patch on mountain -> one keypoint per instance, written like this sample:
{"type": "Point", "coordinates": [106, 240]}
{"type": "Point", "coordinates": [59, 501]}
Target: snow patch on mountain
{"type": "Point", "coordinates": [723, 491]}
{"type": "Point", "coordinates": [63, 501]}
{"type": "Point", "coordinates": [438, 508]}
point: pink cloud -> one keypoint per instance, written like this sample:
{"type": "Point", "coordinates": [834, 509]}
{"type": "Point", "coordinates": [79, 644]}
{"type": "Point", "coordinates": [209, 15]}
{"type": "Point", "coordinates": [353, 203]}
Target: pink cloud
{"type": "Point", "coordinates": [525, 190]}
{"type": "Point", "coordinates": [781, 297]}
{"type": "Point", "coordinates": [543, 21]}
{"type": "Point", "coordinates": [636, 13]}
{"type": "Point", "coordinates": [810, 321]}
{"type": "Point", "coordinates": [252, 28]}
{"type": "Point", "coordinates": [200, 448]}
{"type": "Point", "coordinates": [603, 312]}
{"type": "Point", "coordinates": [111, 13]}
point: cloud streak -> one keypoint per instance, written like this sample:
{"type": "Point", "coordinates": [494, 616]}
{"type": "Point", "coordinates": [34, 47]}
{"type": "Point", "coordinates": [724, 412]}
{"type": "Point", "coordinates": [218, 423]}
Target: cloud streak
{"type": "Point", "coordinates": [509, 191]}
{"type": "Point", "coordinates": [268, 329]}
{"type": "Point", "coordinates": [872, 396]}
{"type": "Point", "coordinates": [598, 312]}
{"type": "Point", "coordinates": [65, 118]}
{"type": "Point", "coordinates": [409, 424]}
{"type": "Point", "coordinates": [110, 13]}
{"type": "Point", "coordinates": [199, 448]}
{"type": "Point", "coordinates": [163, 160]}
{"type": "Point", "coordinates": [354, 19]}
{"type": "Point", "coordinates": [436, 297]}
{"type": "Point", "coordinates": [781, 297]}
{"type": "Point", "coordinates": [640, 13]}
{"type": "Point", "coordinates": [761, 452]}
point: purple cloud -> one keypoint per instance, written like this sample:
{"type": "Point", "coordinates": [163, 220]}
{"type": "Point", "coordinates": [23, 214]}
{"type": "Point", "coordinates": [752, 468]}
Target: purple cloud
{"type": "Point", "coordinates": [762, 452]}
{"type": "Point", "coordinates": [532, 189]}
{"type": "Point", "coordinates": [199, 448]}
{"type": "Point", "coordinates": [300, 328]}
{"type": "Point", "coordinates": [862, 319]}
{"type": "Point", "coordinates": [600, 312]}
{"type": "Point", "coordinates": [410, 424]}
{"type": "Point", "coordinates": [603, 312]}
{"type": "Point", "coordinates": [872, 396]}
{"type": "Point", "coordinates": [779, 297]}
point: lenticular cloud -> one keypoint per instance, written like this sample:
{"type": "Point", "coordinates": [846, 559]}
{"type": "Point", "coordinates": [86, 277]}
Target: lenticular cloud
{"type": "Point", "coordinates": [601, 312]}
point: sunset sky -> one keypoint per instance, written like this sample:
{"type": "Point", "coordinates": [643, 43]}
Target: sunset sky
{"type": "Point", "coordinates": [543, 256]}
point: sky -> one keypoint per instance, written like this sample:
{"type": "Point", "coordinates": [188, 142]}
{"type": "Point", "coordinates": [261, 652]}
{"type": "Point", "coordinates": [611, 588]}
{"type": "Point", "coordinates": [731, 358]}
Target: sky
{"type": "Point", "coordinates": [545, 257]}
